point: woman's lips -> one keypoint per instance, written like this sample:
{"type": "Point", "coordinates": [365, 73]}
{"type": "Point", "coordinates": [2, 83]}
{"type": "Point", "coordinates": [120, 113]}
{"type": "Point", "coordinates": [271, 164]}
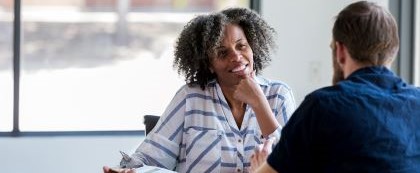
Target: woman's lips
{"type": "Point", "coordinates": [240, 70]}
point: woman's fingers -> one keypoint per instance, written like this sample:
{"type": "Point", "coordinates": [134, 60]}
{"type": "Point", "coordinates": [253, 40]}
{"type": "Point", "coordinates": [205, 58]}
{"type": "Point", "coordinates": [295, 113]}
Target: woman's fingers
{"type": "Point", "coordinates": [106, 169]}
{"type": "Point", "coordinates": [261, 152]}
{"type": "Point", "coordinates": [268, 144]}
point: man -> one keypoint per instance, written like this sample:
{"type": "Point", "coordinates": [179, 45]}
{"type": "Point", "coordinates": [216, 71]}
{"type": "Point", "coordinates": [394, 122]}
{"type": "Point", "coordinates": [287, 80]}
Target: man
{"type": "Point", "coordinates": [369, 120]}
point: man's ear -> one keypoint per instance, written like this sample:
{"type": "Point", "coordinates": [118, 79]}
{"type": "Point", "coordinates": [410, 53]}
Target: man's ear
{"type": "Point", "coordinates": [341, 53]}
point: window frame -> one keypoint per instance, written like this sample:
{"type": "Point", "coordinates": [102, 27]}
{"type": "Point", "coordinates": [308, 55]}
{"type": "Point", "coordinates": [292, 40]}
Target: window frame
{"type": "Point", "coordinates": [404, 64]}
{"type": "Point", "coordinates": [16, 132]}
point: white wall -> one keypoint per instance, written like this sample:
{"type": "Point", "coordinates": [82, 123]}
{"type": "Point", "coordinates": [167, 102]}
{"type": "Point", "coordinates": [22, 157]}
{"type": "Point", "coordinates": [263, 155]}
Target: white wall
{"type": "Point", "coordinates": [303, 61]}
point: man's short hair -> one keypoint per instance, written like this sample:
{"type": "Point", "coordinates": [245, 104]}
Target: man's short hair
{"type": "Point", "coordinates": [369, 32]}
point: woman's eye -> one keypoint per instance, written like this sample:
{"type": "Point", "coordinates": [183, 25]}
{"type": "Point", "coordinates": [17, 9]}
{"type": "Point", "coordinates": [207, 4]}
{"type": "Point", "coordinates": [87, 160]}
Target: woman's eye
{"type": "Point", "coordinates": [242, 46]}
{"type": "Point", "coordinates": [222, 54]}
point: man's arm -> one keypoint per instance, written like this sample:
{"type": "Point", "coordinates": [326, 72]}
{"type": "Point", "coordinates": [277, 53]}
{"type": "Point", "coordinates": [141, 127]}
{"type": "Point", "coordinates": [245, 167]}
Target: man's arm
{"type": "Point", "coordinates": [293, 152]}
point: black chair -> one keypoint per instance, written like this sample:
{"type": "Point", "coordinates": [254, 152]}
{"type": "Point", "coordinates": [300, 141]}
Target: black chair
{"type": "Point", "coordinates": [150, 122]}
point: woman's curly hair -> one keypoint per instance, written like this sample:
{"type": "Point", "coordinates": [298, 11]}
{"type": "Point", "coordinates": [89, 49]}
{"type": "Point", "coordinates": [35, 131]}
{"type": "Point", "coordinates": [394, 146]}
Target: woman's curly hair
{"type": "Point", "coordinates": [203, 34]}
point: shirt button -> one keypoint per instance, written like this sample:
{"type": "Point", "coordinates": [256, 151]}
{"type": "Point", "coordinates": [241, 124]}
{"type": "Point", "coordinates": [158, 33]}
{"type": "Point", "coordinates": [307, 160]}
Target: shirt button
{"type": "Point", "coordinates": [240, 140]}
{"type": "Point", "coordinates": [238, 170]}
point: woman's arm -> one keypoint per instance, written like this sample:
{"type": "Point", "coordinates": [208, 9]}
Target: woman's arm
{"type": "Point", "coordinates": [251, 93]}
{"type": "Point", "coordinates": [161, 146]}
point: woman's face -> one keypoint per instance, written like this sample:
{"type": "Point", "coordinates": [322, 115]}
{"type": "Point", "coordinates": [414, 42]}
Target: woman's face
{"type": "Point", "coordinates": [233, 60]}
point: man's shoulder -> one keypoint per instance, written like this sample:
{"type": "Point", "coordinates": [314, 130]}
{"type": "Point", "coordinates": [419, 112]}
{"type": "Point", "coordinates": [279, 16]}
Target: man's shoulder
{"type": "Point", "coordinates": [327, 98]}
{"type": "Point", "coordinates": [325, 92]}
{"type": "Point", "coordinates": [342, 89]}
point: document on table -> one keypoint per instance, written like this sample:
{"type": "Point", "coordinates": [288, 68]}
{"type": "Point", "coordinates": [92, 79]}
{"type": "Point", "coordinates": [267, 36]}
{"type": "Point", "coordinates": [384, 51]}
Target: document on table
{"type": "Point", "coordinates": [152, 169]}
{"type": "Point", "coordinates": [142, 168]}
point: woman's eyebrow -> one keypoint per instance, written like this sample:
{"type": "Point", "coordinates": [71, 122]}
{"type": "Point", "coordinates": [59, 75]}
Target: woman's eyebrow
{"type": "Point", "coordinates": [239, 40]}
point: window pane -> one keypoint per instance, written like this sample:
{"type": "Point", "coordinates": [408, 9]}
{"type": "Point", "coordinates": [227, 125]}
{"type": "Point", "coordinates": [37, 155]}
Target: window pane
{"type": "Point", "coordinates": [6, 71]}
{"type": "Point", "coordinates": [100, 64]}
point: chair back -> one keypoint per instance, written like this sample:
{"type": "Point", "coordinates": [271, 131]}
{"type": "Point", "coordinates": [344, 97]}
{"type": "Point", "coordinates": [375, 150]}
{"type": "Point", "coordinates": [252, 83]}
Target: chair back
{"type": "Point", "coordinates": [150, 122]}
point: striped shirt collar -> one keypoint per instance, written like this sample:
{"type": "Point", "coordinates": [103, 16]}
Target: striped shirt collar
{"type": "Point", "coordinates": [260, 81]}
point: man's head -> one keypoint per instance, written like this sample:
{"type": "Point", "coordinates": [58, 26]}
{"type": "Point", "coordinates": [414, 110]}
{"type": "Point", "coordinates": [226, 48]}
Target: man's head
{"type": "Point", "coordinates": [369, 34]}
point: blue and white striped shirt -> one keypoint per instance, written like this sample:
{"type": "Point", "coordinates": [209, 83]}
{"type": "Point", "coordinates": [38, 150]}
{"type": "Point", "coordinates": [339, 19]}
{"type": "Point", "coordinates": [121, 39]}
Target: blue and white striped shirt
{"type": "Point", "coordinates": [198, 133]}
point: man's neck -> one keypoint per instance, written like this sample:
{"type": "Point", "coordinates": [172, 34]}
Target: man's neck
{"type": "Point", "coordinates": [354, 66]}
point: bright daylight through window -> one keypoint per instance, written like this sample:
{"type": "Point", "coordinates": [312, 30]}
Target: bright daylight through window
{"type": "Point", "coordinates": [6, 70]}
{"type": "Point", "coordinates": [94, 64]}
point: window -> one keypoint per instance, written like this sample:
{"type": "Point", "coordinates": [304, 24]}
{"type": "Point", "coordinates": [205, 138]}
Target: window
{"type": "Point", "coordinates": [407, 63]}
{"type": "Point", "coordinates": [92, 65]}
{"type": "Point", "coordinates": [6, 71]}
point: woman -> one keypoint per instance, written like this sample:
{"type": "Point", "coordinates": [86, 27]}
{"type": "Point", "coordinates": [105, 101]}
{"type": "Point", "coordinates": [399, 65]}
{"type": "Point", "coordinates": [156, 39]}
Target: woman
{"type": "Point", "coordinates": [215, 121]}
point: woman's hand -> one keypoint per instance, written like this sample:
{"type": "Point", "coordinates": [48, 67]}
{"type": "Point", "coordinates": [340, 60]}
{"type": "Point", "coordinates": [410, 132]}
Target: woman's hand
{"type": "Point", "coordinates": [248, 90]}
{"type": "Point", "coordinates": [261, 153]}
{"type": "Point", "coordinates": [119, 170]}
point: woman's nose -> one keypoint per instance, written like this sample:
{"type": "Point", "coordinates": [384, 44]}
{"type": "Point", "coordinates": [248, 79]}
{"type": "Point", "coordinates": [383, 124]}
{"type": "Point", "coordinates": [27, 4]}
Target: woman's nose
{"type": "Point", "coordinates": [235, 56]}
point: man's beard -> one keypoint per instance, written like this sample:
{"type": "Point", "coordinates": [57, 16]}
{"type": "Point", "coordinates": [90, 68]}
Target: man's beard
{"type": "Point", "coordinates": [338, 72]}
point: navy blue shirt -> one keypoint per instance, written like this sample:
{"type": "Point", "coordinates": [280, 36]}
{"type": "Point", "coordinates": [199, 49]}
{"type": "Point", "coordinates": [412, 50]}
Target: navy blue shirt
{"type": "Point", "coordinates": [369, 122]}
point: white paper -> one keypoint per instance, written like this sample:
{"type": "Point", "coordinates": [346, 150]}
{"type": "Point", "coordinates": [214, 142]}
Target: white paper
{"type": "Point", "coordinates": [152, 169]}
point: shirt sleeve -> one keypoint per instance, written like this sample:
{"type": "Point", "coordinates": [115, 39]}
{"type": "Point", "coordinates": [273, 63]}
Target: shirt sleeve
{"type": "Point", "coordinates": [293, 152]}
{"type": "Point", "coordinates": [287, 106]}
{"type": "Point", "coordinates": [284, 109]}
{"type": "Point", "coordinates": [161, 146]}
